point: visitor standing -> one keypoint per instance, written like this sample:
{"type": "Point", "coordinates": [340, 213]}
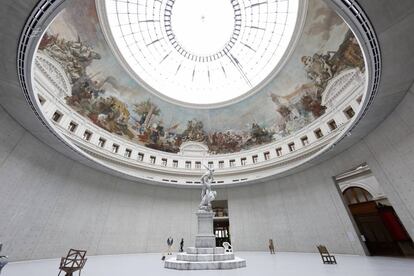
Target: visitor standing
{"type": "Point", "coordinates": [182, 245]}
{"type": "Point", "coordinates": [170, 242]}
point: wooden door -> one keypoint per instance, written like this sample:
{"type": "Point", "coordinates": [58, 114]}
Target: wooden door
{"type": "Point", "coordinates": [378, 239]}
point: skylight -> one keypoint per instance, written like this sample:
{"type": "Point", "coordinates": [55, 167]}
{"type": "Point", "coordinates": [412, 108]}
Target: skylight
{"type": "Point", "coordinates": [202, 51]}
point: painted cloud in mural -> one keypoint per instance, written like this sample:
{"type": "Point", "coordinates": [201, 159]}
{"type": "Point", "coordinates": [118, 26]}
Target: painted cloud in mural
{"type": "Point", "coordinates": [104, 93]}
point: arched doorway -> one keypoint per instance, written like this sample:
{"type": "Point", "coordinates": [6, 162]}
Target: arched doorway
{"type": "Point", "coordinates": [378, 223]}
{"type": "Point", "coordinates": [381, 230]}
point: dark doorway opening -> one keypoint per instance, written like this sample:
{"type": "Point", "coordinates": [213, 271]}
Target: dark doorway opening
{"type": "Point", "coordinates": [221, 224]}
{"type": "Point", "coordinates": [379, 225]}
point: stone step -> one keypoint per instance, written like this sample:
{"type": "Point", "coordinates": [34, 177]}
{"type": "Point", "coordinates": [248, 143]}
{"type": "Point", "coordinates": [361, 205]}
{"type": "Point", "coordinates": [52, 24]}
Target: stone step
{"type": "Point", "coordinates": [205, 257]}
{"type": "Point", "coordinates": [214, 250]}
{"type": "Point", "coordinates": [173, 263]}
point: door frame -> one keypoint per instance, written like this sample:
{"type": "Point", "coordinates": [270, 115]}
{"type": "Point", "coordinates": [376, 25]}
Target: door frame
{"type": "Point", "coordinates": [351, 217]}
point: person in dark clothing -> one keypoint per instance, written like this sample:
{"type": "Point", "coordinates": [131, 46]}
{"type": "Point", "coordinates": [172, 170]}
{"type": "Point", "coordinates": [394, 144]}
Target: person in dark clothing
{"type": "Point", "coordinates": [182, 245]}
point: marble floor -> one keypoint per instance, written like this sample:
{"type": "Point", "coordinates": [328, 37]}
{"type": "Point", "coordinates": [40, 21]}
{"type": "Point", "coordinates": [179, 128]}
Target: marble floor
{"type": "Point", "coordinates": [258, 263]}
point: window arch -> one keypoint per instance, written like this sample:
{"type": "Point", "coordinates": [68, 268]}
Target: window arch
{"type": "Point", "coordinates": [355, 195]}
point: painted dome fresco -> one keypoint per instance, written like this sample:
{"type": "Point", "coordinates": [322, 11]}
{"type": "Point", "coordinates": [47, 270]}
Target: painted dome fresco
{"type": "Point", "coordinates": [216, 78]}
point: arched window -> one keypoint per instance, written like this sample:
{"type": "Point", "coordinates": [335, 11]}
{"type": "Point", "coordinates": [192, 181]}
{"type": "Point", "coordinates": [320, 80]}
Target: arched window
{"type": "Point", "coordinates": [357, 195]}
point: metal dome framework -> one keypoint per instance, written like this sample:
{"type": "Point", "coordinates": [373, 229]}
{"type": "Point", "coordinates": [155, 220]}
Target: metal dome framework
{"type": "Point", "coordinates": [202, 53]}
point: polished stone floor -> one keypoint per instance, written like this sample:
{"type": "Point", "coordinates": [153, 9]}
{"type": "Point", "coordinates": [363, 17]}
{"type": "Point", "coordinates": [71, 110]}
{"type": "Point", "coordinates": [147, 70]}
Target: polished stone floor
{"type": "Point", "coordinates": [258, 263]}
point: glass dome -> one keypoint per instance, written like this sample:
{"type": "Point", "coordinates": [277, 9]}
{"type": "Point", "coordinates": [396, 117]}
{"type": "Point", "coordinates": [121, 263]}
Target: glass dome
{"type": "Point", "coordinates": [202, 51]}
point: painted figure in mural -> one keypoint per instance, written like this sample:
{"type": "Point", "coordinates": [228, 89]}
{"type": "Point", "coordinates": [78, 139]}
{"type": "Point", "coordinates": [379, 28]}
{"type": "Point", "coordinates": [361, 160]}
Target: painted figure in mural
{"type": "Point", "coordinates": [194, 131]}
{"type": "Point", "coordinates": [207, 195]}
{"type": "Point", "coordinates": [318, 68]}
{"type": "Point", "coordinates": [349, 54]}
{"type": "Point", "coordinates": [74, 56]}
{"type": "Point", "coordinates": [3, 259]}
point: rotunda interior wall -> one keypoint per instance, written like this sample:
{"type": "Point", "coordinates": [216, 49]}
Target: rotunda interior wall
{"type": "Point", "coordinates": [50, 203]}
{"type": "Point", "coordinates": [111, 216]}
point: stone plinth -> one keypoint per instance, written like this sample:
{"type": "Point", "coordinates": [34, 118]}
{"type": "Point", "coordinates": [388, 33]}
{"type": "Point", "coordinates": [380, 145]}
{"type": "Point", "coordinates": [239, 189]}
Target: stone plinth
{"type": "Point", "coordinates": [213, 250]}
{"type": "Point", "coordinates": [205, 255]}
{"type": "Point", "coordinates": [209, 265]}
{"type": "Point", "coordinates": [205, 237]}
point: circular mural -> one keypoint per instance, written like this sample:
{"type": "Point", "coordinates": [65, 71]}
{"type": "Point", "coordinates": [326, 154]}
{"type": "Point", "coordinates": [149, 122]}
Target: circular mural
{"type": "Point", "coordinates": [86, 93]}
{"type": "Point", "coordinates": [103, 94]}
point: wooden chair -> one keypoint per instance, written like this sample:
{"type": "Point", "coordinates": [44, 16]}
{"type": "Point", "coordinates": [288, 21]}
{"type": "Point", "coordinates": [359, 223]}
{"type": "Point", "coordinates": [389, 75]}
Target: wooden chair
{"type": "Point", "coordinates": [3, 259]}
{"type": "Point", "coordinates": [74, 261]}
{"type": "Point", "coordinates": [326, 257]}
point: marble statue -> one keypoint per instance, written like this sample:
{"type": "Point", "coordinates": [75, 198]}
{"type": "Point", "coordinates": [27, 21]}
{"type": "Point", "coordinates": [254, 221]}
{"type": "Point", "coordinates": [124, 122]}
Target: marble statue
{"type": "Point", "coordinates": [205, 204]}
{"type": "Point", "coordinates": [207, 195]}
{"type": "Point", "coordinates": [3, 259]}
{"type": "Point", "coordinates": [205, 254]}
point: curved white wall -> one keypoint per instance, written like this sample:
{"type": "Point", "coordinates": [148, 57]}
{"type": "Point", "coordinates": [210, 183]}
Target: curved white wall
{"type": "Point", "coordinates": [49, 203]}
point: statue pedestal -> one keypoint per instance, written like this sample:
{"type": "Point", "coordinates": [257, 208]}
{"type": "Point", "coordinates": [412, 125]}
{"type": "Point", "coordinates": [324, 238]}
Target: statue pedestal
{"type": "Point", "coordinates": [205, 237]}
{"type": "Point", "coordinates": [205, 255]}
